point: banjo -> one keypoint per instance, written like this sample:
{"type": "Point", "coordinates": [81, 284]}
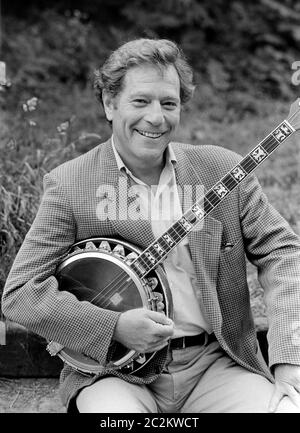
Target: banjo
{"type": "Point", "coordinates": [116, 275]}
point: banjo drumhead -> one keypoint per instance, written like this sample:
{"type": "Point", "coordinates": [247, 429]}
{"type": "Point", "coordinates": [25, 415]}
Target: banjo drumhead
{"type": "Point", "coordinates": [103, 277]}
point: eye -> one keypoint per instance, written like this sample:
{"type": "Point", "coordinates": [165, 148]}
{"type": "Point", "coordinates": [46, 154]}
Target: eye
{"type": "Point", "coordinates": [170, 105]}
{"type": "Point", "coordinates": [139, 102]}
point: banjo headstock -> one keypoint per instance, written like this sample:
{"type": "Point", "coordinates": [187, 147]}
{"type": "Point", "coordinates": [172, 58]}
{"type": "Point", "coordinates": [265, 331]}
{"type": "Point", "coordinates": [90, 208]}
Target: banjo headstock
{"type": "Point", "coordinates": [294, 115]}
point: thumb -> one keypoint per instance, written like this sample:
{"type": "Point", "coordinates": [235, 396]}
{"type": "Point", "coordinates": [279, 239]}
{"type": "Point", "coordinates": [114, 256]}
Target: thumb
{"type": "Point", "coordinates": [158, 317]}
{"type": "Point", "coordinates": [275, 400]}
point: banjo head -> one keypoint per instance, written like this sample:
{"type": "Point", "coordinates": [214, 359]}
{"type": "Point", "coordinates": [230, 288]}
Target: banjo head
{"type": "Point", "coordinates": [98, 270]}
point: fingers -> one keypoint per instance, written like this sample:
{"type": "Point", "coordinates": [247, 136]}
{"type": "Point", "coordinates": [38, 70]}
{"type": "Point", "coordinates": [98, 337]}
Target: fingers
{"type": "Point", "coordinates": [275, 400]}
{"type": "Point", "coordinates": [164, 331]}
{"type": "Point", "coordinates": [282, 391]}
{"type": "Point", "coordinates": [143, 330]}
{"type": "Point", "coordinates": [163, 326]}
{"type": "Point", "coordinates": [158, 346]}
{"type": "Point", "coordinates": [159, 317]}
{"type": "Point", "coordinates": [294, 396]}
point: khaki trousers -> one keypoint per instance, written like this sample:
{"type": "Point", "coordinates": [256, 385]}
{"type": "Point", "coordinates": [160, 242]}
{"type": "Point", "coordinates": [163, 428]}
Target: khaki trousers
{"type": "Point", "coordinates": [195, 379]}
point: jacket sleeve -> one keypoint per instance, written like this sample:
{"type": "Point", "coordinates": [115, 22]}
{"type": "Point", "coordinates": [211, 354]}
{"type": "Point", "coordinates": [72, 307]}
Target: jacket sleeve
{"type": "Point", "coordinates": [31, 296]}
{"type": "Point", "coordinates": [272, 246]}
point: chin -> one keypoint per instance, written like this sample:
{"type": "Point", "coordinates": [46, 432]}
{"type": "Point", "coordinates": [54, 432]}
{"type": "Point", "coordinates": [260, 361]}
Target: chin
{"type": "Point", "coordinates": [156, 145]}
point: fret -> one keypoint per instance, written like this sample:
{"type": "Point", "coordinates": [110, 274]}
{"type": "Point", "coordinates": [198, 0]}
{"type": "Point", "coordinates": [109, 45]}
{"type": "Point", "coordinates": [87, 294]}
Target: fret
{"type": "Point", "coordinates": [175, 234]}
{"type": "Point", "coordinates": [270, 145]}
{"type": "Point", "coordinates": [229, 181]}
{"type": "Point", "coordinates": [213, 199]}
{"type": "Point", "coordinates": [268, 142]}
{"type": "Point", "coordinates": [163, 243]}
{"type": "Point", "coordinates": [177, 227]}
{"type": "Point", "coordinates": [207, 204]}
{"type": "Point", "coordinates": [248, 164]}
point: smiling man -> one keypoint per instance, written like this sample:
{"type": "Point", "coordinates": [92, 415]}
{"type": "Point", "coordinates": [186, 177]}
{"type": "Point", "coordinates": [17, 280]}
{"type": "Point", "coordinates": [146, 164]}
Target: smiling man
{"type": "Point", "coordinates": [145, 116]}
{"type": "Point", "coordinates": [204, 357]}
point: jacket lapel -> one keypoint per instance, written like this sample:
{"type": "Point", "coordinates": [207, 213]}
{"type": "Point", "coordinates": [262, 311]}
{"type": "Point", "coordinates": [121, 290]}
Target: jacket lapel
{"type": "Point", "coordinates": [136, 231]}
{"type": "Point", "coordinates": [204, 240]}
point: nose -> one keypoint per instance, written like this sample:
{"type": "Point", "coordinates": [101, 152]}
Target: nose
{"type": "Point", "coordinates": [154, 114]}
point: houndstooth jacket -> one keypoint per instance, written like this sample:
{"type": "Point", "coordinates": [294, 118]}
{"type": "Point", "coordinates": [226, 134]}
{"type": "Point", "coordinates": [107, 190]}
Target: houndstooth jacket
{"type": "Point", "coordinates": [245, 220]}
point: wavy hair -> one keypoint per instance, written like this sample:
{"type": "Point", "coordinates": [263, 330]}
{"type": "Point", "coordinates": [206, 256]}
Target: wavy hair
{"type": "Point", "coordinates": [158, 52]}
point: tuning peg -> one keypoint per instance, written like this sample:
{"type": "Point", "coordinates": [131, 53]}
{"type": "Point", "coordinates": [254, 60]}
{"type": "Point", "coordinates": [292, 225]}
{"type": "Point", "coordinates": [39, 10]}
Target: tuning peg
{"type": "Point", "coordinates": [105, 246]}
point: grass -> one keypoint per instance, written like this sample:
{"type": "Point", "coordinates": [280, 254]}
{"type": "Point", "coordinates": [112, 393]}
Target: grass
{"type": "Point", "coordinates": [30, 149]}
{"type": "Point", "coordinates": [30, 395]}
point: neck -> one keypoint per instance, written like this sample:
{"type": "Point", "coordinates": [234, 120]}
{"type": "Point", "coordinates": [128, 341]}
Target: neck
{"type": "Point", "coordinates": [148, 176]}
{"type": "Point", "coordinates": [147, 171]}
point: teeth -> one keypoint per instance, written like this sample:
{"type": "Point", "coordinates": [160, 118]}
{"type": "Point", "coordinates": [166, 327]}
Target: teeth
{"type": "Point", "coordinates": [150, 134]}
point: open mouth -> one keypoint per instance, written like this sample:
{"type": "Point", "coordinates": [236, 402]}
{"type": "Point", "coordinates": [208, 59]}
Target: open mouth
{"type": "Point", "coordinates": [150, 134]}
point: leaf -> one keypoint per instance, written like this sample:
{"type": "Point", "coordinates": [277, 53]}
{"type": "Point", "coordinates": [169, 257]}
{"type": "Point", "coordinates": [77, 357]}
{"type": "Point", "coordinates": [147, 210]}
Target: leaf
{"type": "Point", "coordinates": [218, 76]}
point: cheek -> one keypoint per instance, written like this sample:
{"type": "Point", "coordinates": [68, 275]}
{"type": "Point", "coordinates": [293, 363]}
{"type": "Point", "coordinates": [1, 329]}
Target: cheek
{"type": "Point", "coordinates": [125, 126]}
{"type": "Point", "coordinates": [130, 124]}
{"type": "Point", "coordinates": [174, 119]}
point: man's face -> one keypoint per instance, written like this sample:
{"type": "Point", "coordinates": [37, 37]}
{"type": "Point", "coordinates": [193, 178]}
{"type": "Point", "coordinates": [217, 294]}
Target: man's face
{"type": "Point", "coordinates": [145, 114]}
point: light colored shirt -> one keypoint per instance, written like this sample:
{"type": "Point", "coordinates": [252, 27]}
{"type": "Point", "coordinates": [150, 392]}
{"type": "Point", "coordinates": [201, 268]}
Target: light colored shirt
{"type": "Point", "coordinates": [161, 205]}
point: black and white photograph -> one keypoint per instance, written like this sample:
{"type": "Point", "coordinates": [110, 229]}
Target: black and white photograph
{"type": "Point", "coordinates": [149, 210]}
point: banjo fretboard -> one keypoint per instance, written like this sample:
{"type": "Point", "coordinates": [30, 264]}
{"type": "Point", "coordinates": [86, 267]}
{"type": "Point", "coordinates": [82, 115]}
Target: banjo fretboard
{"type": "Point", "coordinates": [157, 251]}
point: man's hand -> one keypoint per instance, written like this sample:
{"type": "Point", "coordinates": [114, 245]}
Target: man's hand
{"type": "Point", "coordinates": [143, 330]}
{"type": "Point", "coordinates": [287, 382]}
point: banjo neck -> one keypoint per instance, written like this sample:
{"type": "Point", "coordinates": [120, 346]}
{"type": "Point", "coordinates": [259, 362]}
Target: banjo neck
{"type": "Point", "coordinates": [158, 250]}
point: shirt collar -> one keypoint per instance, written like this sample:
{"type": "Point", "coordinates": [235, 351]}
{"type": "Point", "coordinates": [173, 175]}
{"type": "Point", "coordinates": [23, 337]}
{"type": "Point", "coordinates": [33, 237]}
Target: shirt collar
{"type": "Point", "coordinates": [170, 157]}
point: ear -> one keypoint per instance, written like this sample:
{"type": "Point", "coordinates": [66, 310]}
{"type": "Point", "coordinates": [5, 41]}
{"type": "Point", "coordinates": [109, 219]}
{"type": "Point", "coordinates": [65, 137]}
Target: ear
{"type": "Point", "coordinates": [108, 104]}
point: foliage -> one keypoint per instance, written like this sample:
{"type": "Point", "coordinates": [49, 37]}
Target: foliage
{"type": "Point", "coordinates": [51, 52]}
{"type": "Point", "coordinates": [233, 45]}
{"type": "Point", "coordinates": [21, 174]}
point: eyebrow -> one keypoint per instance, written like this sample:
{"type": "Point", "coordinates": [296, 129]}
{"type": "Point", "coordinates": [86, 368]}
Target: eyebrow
{"type": "Point", "coordinates": [147, 95]}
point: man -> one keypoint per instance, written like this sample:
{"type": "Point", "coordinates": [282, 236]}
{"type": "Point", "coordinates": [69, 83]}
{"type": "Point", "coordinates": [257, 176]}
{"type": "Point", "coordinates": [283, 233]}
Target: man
{"type": "Point", "coordinates": [207, 358]}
